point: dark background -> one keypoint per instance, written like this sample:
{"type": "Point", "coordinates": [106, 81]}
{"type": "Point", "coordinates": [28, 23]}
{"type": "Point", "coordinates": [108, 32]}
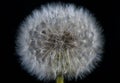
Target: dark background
{"type": "Point", "coordinates": [14, 12]}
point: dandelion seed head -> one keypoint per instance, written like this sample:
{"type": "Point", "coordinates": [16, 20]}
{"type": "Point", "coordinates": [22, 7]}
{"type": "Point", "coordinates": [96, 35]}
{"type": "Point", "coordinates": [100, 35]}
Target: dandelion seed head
{"type": "Point", "coordinates": [59, 39]}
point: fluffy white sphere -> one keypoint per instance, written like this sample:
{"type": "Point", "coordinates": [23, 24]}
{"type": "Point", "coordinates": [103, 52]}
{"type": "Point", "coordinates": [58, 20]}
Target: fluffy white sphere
{"type": "Point", "coordinates": [59, 40]}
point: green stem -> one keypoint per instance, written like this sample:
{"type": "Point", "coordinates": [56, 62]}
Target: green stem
{"type": "Point", "coordinates": [60, 79]}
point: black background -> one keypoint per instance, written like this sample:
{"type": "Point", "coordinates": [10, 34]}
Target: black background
{"type": "Point", "coordinates": [14, 12]}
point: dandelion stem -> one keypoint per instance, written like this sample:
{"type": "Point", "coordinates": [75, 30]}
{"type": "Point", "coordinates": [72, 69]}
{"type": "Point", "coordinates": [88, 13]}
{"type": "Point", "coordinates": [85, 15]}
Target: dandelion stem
{"type": "Point", "coordinates": [60, 79]}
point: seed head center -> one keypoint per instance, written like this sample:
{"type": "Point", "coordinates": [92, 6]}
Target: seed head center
{"type": "Point", "coordinates": [61, 41]}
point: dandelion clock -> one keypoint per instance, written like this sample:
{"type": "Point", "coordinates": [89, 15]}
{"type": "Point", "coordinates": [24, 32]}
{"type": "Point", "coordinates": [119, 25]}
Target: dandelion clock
{"type": "Point", "coordinates": [58, 42]}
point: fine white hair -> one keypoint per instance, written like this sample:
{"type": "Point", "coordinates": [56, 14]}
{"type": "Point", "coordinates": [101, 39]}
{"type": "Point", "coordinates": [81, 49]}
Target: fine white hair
{"type": "Point", "coordinates": [59, 39]}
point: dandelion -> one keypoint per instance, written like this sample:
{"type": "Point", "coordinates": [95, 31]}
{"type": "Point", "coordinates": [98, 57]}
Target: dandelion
{"type": "Point", "coordinates": [59, 41]}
